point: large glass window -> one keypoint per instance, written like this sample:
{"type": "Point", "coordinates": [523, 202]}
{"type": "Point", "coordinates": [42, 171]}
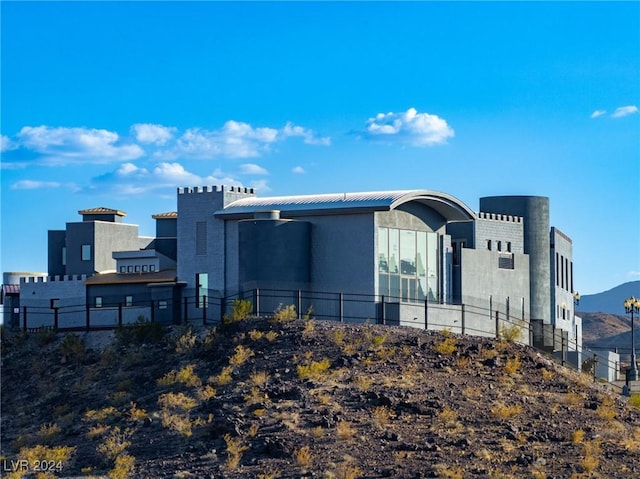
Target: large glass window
{"type": "Point", "coordinates": [86, 252]}
{"type": "Point", "coordinates": [407, 264]}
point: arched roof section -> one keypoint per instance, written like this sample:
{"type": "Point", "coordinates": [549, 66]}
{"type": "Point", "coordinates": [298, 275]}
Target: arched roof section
{"type": "Point", "coordinates": [449, 207]}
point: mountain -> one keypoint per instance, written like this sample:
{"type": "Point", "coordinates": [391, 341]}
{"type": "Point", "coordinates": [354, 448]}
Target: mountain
{"type": "Point", "coordinates": [262, 398]}
{"type": "Point", "coordinates": [609, 301]}
{"type": "Point", "coordinates": [598, 328]}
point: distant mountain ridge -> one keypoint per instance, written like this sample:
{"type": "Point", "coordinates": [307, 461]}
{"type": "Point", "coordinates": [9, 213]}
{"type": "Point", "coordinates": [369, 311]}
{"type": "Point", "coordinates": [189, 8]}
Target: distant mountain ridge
{"type": "Point", "coordinates": [609, 301]}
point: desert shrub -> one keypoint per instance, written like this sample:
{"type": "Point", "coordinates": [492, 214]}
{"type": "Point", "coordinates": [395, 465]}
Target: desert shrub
{"type": "Point", "coordinates": [381, 416]}
{"type": "Point", "coordinates": [260, 378]}
{"type": "Point", "coordinates": [39, 454]}
{"type": "Point", "coordinates": [72, 348]}
{"type": "Point", "coordinates": [123, 467]}
{"type": "Point", "coordinates": [447, 346]}
{"type": "Point", "coordinates": [307, 316]}
{"type": "Point", "coordinates": [577, 436]}
{"type": "Point", "coordinates": [634, 400]}
{"type": "Point", "coordinates": [510, 333]}
{"type": "Point", "coordinates": [313, 370]}
{"type": "Point", "coordinates": [48, 431]}
{"type": "Point", "coordinates": [347, 471]}
{"type": "Point", "coordinates": [240, 356]}
{"type": "Point", "coordinates": [115, 443]}
{"type": "Point", "coordinates": [285, 313]}
{"type": "Point", "coordinates": [256, 335]}
{"type": "Point", "coordinates": [512, 365]}
{"type": "Point", "coordinates": [504, 411]}
{"type": "Point", "coordinates": [184, 376]}
{"type": "Point", "coordinates": [136, 413]}
{"type": "Point", "coordinates": [303, 456]}
{"type": "Point", "coordinates": [345, 430]}
{"type": "Point", "coordinates": [271, 336]}
{"type": "Point", "coordinates": [447, 418]}
{"type": "Point", "coordinates": [186, 341]}
{"type": "Point", "coordinates": [223, 378]}
{"type": "Point", "coordinates": [606, 409]}
{"type": "Point", "coordinates": [338, 336]}
{"type": "Point", "coordinates": [205, 393]}
{"type": "Point", "coordinates": [309, 327]}
{"type": "Point", "coordinates": [140, 332]}
{"type": "Point", "coordinates": [177, 401]}
{"type": "Point", "coordinates": [240, 309]}
{"type": "Point", "coordinates": [101, 415]}
{"type": "Point", "coordinates": [45, 336]}
{"type": "Point", "coordinates": [235, 449]}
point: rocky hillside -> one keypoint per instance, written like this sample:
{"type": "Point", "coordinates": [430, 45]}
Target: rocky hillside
{"type": "Point", "coordinates": [597, 328]}
{"type": "Point", "coordinates": [279, 398]}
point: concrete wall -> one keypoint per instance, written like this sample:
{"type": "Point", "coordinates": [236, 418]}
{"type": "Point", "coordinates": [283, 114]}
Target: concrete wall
{"type": "Point", "coordinates": [55, 244]}
{"type": "Point", "coordinates": [36, 295]}
{"type": "Point", "coordinates": [501, 229]}
{"type": "Point", "coordinates": [535, 213]}
{"type": "Point", "coordinates": [562, 307]}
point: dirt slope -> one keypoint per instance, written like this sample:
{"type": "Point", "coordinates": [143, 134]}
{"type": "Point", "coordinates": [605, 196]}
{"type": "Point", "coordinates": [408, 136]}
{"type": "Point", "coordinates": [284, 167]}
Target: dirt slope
{"type": "Point", "coordinates": [265, 399]}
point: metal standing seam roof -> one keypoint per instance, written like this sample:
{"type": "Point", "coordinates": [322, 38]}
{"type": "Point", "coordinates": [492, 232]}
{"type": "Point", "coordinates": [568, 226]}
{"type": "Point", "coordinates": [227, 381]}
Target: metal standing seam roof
{"type": "Point", "coordinates": [336, 203]}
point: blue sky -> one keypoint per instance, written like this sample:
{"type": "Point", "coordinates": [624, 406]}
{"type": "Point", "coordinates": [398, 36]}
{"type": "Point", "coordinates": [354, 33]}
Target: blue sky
{"type": "Point", "coordinates": [117, 104]}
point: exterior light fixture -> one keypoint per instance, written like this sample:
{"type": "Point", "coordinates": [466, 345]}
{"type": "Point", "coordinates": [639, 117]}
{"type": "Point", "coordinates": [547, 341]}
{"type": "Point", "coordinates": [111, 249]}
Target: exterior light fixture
{"type": "Point", "coordinates": [632, 306]}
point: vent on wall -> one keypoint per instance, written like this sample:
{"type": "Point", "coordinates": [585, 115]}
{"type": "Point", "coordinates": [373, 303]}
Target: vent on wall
{"type": "Point", "coordinates": [505, 261]}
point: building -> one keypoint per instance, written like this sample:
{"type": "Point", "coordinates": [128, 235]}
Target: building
{"type": "Point", "coordinates": [401, 248]}
{"type": "Point", "coordinates": [411, 257]}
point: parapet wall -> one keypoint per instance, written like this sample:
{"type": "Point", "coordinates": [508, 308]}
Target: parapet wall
{"type": "Point", "coordinates": [216, 189]}
{"type": "Point", "coordinates": [499, 217]}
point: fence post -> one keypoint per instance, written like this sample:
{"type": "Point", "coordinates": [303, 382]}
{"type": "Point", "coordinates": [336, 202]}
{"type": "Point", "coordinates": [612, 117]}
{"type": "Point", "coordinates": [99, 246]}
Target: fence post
{"type": "Point", "coordinates": [88, 319]}
{"type": "Point", "coordinates": [186, 310]}
{"type": "Point", "coordinates": [204, 310]}
{"type": "Point", "coordinates": [153, 311]}
{"type": "Point", "coordinates": [299, 305]}
{"type": "Point", "coordinates": [340, 307]}
{"type": "Point", "coordinates": [382, 318]}
{"type": "Point", "coordinates": [426, 313]}
{"type": "Point", "coordinates": [564, 349]}
{"type": "Point", "coordinates": [120, 314]}
{"type": "Point", "coordinates": [595, 367]}
{"type": "Point", "coordinates": [24, 318]}
{"type": "Point", "coordinates": [508, 312]}
{"type": "Point", "coordinates": [462, 313]}
{"type": "Point", "coordinates": [55, 318]}
{"type": "Point", "coordinates": [497, 324]}
{"type": "Point", "coordinates": [257, 301]}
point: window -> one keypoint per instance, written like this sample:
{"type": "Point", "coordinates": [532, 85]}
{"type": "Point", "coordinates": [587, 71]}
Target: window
{"type": "Point", "coordinates": [129, 269]}
{"type": "Point", "coordinates": [128, 301]}
{"type": "Point", "coordinates": [489, 245]}
{"type": "Point", "coordinates": [137, 268]}
{"type": "Point", "coordinates": [152, 267]}
{"type": "Point", "coordinates": [162, 304]}
{"type": "Point", "coordinates": [86, 252]}
{"type": "Point", "coordinates": [64, 256]}
{"type": "Point", "coordinates": [407, 264]}
{"type": "Point", "coordinates": [98, 302]}
{"type": "Point", "coordinates": [145, 268]}
{"type": "Point", "coordinates": [201, 238]}
{"type": "Point", "coordinates": [508, 246]}
{"type": "Point", "coordinates": [202, 286]}
{"type": "Point", "coordinates": [499, 245]}
{"type": "Point", "coordinates": [55, 303]}
{"type": "Point", "coordinates": [123, 269]}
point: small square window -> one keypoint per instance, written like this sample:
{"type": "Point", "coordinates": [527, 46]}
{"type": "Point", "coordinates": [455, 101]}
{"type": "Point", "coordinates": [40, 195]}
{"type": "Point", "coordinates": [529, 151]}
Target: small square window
{"type": "Point", "coordinates": [128, 301]}
{"type": "Point", "coordinates": [137, 268]}
{"type": "Point", "coordinates": [123, 269]}
{"type": "Point", "coordinates": [162, 304]}
{"type": "Point", "coordinates": [152, 267]}
{"type": "Point", "coordinates": [129, 269]}
{"type": "Point", "coordinates": [145, 268]}
{"type": "Point", "coordinates": [16, 310]}
{"type": "Point", "coordinates": [55, 303]}
{"type": "Point", "coordinates": [98, 301]}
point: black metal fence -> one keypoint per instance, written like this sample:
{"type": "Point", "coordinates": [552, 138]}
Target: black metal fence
{"type": "Point", "coordinates": [480, 317]}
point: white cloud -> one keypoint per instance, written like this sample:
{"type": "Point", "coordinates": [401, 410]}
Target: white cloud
{"type": "Point", "coordinates": [151, 133]}
{"type": "Point", "coordinates": [598, 113]}
{"type": "Point", "coordinates": [129, 179]}
{"type": "Point", "coordinates": [252, 169]}
{"type": "Point", "coordinates": [308, 135]}
{"type": "Point", "coordinates": [410, 127]}
{"type": "Point", "coordinates": [298, 169]}
{"type": "Point", "coordinates": [260, 186]}
{"type": "Point", "coordinates": [624, 111]}
{"type": "Point", "coordinates": [34, 185]}
{"type": "Point", "coordinates": [60, 145]}
{"type": "Point", "coordinates": [6, 144]}
{"type": "Point", "coordinates": [633, 273]}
